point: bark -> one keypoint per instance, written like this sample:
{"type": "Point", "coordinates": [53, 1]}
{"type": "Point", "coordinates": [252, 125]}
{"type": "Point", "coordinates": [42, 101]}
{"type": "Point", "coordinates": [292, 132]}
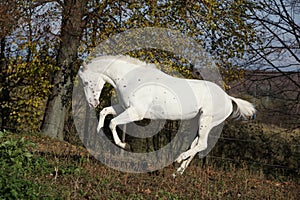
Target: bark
{"type": "Point", "coordinates": [4, 94]}
{"type": "Point", "coordinates": [8, 22]}
{"type": "Point", "coordinates": [71, 31]}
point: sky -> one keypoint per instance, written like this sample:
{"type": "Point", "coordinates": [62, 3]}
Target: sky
{"type": "Point", "coordinates": [48, 16]}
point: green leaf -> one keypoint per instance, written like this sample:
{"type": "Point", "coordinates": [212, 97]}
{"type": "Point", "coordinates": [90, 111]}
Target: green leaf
{"type": "Point", "coordinates": [28, 155]}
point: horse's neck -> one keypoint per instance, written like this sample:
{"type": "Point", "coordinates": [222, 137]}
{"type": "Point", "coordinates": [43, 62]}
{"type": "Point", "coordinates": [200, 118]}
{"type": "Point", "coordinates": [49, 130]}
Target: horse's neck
{"type": "Point", "coordinates": [109, 80]}
{"type": "Point", "coordinates": [112, 71]}
{"type": "Point", "coordinates": [120, 69]}
{"type": "Point", "coordinates": [117, 70]}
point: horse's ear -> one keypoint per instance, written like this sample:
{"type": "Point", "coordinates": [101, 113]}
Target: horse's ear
{"type": "Point", "coordinates": [84, 65]}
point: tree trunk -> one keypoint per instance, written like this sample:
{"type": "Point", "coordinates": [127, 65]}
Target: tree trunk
{"type": "Point", "coordinates": [4, 94]}
{"type": "Point", "coordinates": [71, 31]}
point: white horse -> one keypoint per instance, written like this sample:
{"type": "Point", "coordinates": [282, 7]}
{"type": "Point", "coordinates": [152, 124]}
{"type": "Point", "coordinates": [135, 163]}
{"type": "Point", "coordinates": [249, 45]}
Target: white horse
{"type": "Point", "coordinates": [146, 92]}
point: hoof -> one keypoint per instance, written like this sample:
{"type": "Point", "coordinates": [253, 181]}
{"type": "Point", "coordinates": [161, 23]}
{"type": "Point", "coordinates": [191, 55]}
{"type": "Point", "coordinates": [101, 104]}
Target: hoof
{"type": "Point", "coordinates": [127, 147]}
{"type": "Point", "coordinates": [122, 145]}
{"type": "Point", "coordinates": [99, 129]}
{"type": "Point", "coordinates": [174, 175]}
{"type": "Point", "coordinates": [179, 159]}
{"type": "Point", "coordinates": [100, 132]}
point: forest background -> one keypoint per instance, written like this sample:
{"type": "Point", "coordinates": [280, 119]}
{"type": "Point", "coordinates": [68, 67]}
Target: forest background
{"type": "Point", "coordinates": [255, 45]}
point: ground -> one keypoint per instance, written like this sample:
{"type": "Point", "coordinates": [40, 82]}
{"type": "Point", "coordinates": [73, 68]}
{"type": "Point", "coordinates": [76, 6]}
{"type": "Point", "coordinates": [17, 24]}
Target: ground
{"type": "Point", "coordinates": [69, 172]}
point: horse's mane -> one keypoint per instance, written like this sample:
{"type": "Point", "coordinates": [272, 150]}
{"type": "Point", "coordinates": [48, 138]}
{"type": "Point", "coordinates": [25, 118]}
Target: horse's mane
{"type": "Point", "coordinates": [127, 59]}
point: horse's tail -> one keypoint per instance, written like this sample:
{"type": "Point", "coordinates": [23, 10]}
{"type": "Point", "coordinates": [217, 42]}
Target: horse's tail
{"type": "Point", "coordinates": [243, 109]}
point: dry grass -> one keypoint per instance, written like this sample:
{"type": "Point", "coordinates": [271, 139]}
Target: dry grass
{"type": "Point", "coordinates": [72, 174]}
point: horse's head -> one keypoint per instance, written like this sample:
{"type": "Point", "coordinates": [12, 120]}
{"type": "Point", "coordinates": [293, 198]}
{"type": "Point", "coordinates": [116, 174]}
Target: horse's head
{"type": "Point", "coordinates": [92, 85]}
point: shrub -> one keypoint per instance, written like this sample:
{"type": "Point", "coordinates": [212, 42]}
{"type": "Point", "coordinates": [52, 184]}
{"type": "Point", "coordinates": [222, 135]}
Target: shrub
{"type": "Point", "coordinates": [267, 150]}
{"type": "Point", "coordinates": [17, 164]}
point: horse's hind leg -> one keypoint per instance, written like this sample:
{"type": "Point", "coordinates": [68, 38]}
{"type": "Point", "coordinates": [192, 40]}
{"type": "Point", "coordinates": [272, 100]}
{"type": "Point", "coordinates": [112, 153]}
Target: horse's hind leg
{"type": "Point", "coordinates": [204, 129]}
{"type": "Point", "coordinates": [129, 115]}
{"type": "Point", "coordinates": [186, 163]}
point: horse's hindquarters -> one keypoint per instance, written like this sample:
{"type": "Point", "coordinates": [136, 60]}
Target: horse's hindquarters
{"type": "Point", "coordinates": [213, 101]}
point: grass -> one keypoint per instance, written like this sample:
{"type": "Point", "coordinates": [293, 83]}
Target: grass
{"type": "Point", "coordinates": [59, 170]}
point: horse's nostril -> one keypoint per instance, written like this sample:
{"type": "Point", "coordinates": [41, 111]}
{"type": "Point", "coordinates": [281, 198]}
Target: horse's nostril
{"type": "Point", "coordinates": [91, 105]}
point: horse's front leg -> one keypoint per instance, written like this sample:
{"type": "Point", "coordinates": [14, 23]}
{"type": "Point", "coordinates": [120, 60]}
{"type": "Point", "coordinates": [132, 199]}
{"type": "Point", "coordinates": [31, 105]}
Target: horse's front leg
{"type": "Point", "coordinates": [129, 115]}
{"type": "Point", "coordinates": [111, 110]}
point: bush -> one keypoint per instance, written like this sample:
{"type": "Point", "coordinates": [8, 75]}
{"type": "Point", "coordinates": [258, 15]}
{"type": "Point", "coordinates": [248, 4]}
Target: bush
{"type": "Point", "coordinates": [267, 150]}
{"type": "Point", "coordinates": [17, 165]}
